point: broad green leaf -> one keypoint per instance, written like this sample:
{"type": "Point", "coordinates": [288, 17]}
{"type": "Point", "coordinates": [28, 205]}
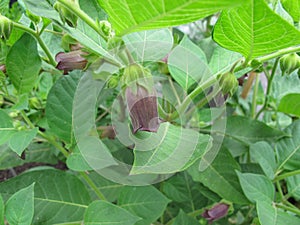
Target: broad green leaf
{"type": "Point", "coordinates": [54, 190]}
{"type": "Point", "coordinates": [170, 150]}
{"type": "Point", "coordinates": [253, 29]}
{"type": "Point", "coordinates": [20, 140]}
{"type": "Point", "coordinates": [1, 211]}
{"type": "Point", "coordinates": [290, 104]}
{"type": "Point", "coordinates": [22, 103]}
{"type": "Point", "coordinates": [23, 63]}
{"type": "Point", "coordinates": [283, 13]}
{"type": "Point", "coordinates": [108, 188]}
{"type": "Point", "coordinates": [145, 202]}
{"type": "Point", "coordinates": [262, 153]}
{"type": "Point", "coordinates": [183, 219]}
{"type": "Point", "coordinates": [43, 8]}
{"type": "Point", "coordinates": [6, 127]}
{"type": "Point", "coordinates": [293, 185]}
{"type": "Point", "coordinates": [19, 208]}
{"type": "Point", "coordinates": [187, 64]}
{"type": "Point", "coordinates": [268, 214]}
{"type": "Point", "coordinates": [93, 9]}
{"type": "Point", "coordinates": [287, 148]}
{"type": "Point", "coordinates": [105, 213]}
{"type": "Point", "coordinates": [257, 187]}
{"type": "Point", "coordinates": [137, 15]}
{"type": "Point", "coordinates": [76, 161]}
{"type": "Point", "coordinates": [293, 8]}
{"type": "Point", "coordinates": [248, 131]}
{"type": "Point", "coordinates": [150, 45]}
{"type": "Point", "coordinates": [221, 178]}
{"type": "Point", "coordinates": [60, 104]}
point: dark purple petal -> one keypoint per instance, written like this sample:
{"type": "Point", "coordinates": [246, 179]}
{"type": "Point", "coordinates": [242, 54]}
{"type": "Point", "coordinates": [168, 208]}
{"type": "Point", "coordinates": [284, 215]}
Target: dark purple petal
{"type": "Point", "coordinates": [71, 60]}
{"type": "Point", "coordinates": [142, 108]}
{"type": "Point", "coordinates": [216, 212]}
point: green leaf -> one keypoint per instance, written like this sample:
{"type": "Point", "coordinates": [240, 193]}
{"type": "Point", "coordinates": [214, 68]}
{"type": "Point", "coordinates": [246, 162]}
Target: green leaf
{"type": "Point", "coordinates": [76, 161]}
{"type": "Point", "coordinates": [269, 215]}
{"type": "Point", "coordinates": [20, 207]}
{"type": "Point", "coordinates": [54, 190]}
{"type": "Point", "coordinates": [60, 104]}
{"type": "Point", "coordinates": [93, 9]}
{"type": "Point", "coordinates": [293, 185]}
{"type": "Point", "coordinates": [43, 8]}
{"type": "Point", "coordinates": [263, 154]}
{"type": "Point", "coordinates": [284, 14]}
{"type": "Point", "coordinates": [137, 15]}
{"type": "Point", "coordinates": [105, 213]}
{"type": "Point", "coordinates": [220, 177]}
{"type": "Point", "coordinates": [293, 8]}
{"type": "Point", "coordinates": [23, 63]}
{"type": "Point", "coordinates": [254, 30]}
{"type": "Point", "coordinates": [169, 150]}
{"type": "Point", "coordinates": [140, 201]}
{"type": "Point", "coordinates": [287, 148]}
{"type": "Point", "coordinates": [149, 45]}
{"type": "Point", "coordinates": [290, 104]}
{"type": "Point", "coordinates": [6, 127]}
{"type": "Point", "coordinates": [184, 219]}
{"type": "Point", "coordinates": [187, 64]}
{"type": "Point", "coordinates": [1, 211]}
{"type": "Point", "coordinates": [20, 140]}
{"type": "Point", "coordinates": [257, 187]}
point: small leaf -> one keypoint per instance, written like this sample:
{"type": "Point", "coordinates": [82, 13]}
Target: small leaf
{"type": "Point", "coordinates": [20, 140]}
{"type": "Point", "coordinates": [253, 29]}
{"type": "Point", "coordinates": [220, 177]}
{"type": "Point", "coordinates": [290, 104]}
{"type": "Point", "coordinates": [256, 187]}
{"type": "Point", "coordinates": [6, 127]}
{"type": "Point", "coordinates": [20, 207]}
{"type": "Point", "coordinates": [148, 14]}
{"type": "Point", "coordinates": [269, 215]}
{"type": "Point", "coordinates": [105, 213]}
{"type": "Point", "coordinates": [142, 200]}
{"type": "Point", "coordinates": [262, 153]}
{"type": "Point", "coordinates": [187, 64]}
{"type": "Point", "coordinates": [287, 148]}
{"type": "Point", "coordinates": [183, 219]}
{"type": "Point", "coordinates": [76, 161]}
{"type": "Point", "coordinates": [23, 63]}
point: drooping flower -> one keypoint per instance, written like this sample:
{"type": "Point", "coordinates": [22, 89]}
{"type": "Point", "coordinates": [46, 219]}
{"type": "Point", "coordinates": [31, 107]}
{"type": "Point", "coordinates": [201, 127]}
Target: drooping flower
{"type": "Point", "coordinates": [217, 212]}
{"type": "Point", "coordinates": [71, 60]}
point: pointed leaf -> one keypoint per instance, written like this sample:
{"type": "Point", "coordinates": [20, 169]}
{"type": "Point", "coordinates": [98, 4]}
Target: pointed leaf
{"type": "Point", "coordinates": [254, 30]}
{"type": "Point", "coordinates": [256, 187]}
{"type": "Point", "coordinates": [105, 213]}
{"type": "Point", "coordinates": [142, 200]}
{"type": "Point", "coordinates": [23, 63]}
{"type": "Point", "coordinates": [263, 154]}
{"type": "Point", "coordinates": [221, 178]}
{"type": "Point", "coordinates": [20, 207]}
{"type": "Point", "coordinates": [288, 148]}
{"type": "Point", "coordinates": [20, 140]}
{"type": "Point", "coordinates": [136, 15]}
{"type": "Point", "coordinates": [54, 190]}
{"type": "Point", "coordinates": [290, 104]}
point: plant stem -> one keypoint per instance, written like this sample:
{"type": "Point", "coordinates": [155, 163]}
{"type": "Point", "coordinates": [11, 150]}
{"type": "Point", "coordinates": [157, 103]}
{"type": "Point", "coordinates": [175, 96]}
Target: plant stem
{"type": "Point", "coordinates": [278, 53]}
{"type": "Point", "coordinates": [294, 210]}
{"type": "Point", "coordinates": [39, 40]}
{"type": "Point", "coordinates": [27, 120]}
{"type": "Point", "coordinates": [54, 143]}
{"type": "Point", "coordinates": [254, 96]}
{"type": "Point", "coordinates": [270, 80]}
{"type": "Point", "coordinates": [285, 175]}
{"type": "Point", "coordinates": [93, 186]}
{"type": "Point", "coordinates": [82, 15]}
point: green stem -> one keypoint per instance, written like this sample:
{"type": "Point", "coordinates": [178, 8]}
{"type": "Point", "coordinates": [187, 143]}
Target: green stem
{"type": "Point", "coordinates": [254, 97]}
{"type": "Point", "coordinates": [270, 80]}
{"type": "Point", "coordinates": [93, 186]}
{"type": "Point", "coordinates": [39, 40]}
{"type": "Point", "coordinates": [27, 120]}
{"type": "Point", "coordinates": [294, 210]}
{"type": "Point", "coordinates": [285, 175]}
{"type": "Point", "coordinates": [82, 15]}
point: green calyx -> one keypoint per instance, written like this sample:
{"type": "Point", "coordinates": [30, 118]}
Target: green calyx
{"type": "Point", "coordinates": [289, 63]}
{"type": "Point", "coordinates": [65, 14]}
{"type": "Point", "coordinates": [34, 18]}
{"type": "Point", "coordinates": [6, 26]}
{"type": "Point", "coordinates": [228, 83]}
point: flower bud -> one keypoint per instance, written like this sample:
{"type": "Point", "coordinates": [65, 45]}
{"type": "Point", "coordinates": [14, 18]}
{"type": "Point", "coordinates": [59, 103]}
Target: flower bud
{"type": "Point", "coordinates": [70, 61]}
{"type": "Point", "coordinates": [113, 81]}
{"type": "Point", "coordinates": [228, 83]}
{"type": "Point", "coordinates": [6, 26]}
{"type": "Point", "coordinates": [141, 99]}
{"type": "Point", "coordinates": [217, 212]}
{"type": "Point", "coordinates": [289, 63]}
{"type": "Point", "coordinates": [65, 14]}
{"type": "Point", "coordinates": [105, 28]}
